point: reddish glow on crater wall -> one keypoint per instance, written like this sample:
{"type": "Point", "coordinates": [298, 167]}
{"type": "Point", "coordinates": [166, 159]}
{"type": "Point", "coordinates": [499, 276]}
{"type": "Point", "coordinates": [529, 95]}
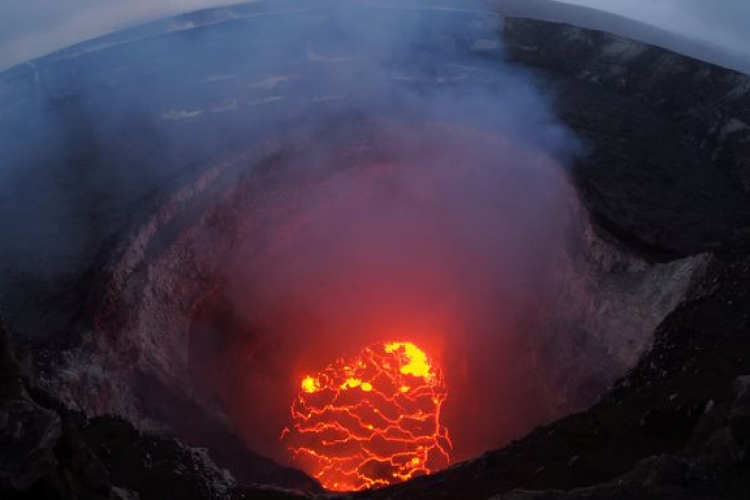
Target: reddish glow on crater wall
{"type": "Point", "coordinates": [371, 420]}
{"type": "Point", "coordinates": [450, 234]}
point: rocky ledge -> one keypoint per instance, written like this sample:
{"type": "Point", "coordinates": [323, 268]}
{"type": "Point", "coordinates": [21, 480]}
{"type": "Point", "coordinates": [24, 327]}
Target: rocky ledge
{"type": "Point", "coordinates": [50, 452]}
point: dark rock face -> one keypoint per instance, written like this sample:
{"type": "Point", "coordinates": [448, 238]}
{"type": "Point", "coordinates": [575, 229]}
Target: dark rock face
{"type": "Point", "coordinates": [49, 452]}
{"type": "Point", "coordinates": [28, 432]}
{"type": "Point", "coordinates": [668, 164]}
{"type": "Point", "coordinates": [739, 417]}
{"type": "Point", "coordinates": [151, 466]}
{"type": "Point", "coordinates": [36, 456]}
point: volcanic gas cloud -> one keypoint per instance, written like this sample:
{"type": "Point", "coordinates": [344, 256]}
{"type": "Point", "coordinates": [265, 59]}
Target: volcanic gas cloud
{"type": "Point", "coordinates": [441, 242]}
{"type": "Point", "coordinates": [371, 420]}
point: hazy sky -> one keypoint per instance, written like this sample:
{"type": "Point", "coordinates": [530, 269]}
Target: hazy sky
{"type": "Point", "coordinates": [725, 23]}
{"type": "Point", "coordinates": [30, 28]}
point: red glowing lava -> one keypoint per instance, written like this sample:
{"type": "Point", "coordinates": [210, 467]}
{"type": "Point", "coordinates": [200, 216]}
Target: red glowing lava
{"type": "Point", "coordinates": [371, 420]}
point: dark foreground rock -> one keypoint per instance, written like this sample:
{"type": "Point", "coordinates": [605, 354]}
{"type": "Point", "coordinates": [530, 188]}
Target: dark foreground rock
{"type": "Point", "coordinates": [49, 452]}
{"type": "Point", "coordinates": [27, 431]}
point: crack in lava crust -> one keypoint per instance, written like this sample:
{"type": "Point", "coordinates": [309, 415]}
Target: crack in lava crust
{"type": "Point", "coordinates": [371, 420]}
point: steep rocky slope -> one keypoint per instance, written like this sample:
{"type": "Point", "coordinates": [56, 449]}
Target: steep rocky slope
{"type": "Point", "coordinates": [669, 137]}
{"type": "Point", "coordinates": [50, 452]}
{"type": "Point", "coordinates": [677, 427]}
{"type": "Point", "coordinates": [673, 428]}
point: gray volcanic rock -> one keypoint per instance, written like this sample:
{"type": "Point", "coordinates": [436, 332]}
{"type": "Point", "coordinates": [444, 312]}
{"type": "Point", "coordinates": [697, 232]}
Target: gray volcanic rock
{"type": "Point", "coordinates": [669, 141]}
{"type": "Point", "coordinates": [663, 477]}
{"type": "Point", "coordinates": [48, 452]}
{"type": "Point", "coordinates": [739, 416]}
{"type": "Point", "coordinates": [151, 466]}
{"type": "Point", "coordinates": [32, 439]}
{"type": "Point", "coordinates": [28, 432]}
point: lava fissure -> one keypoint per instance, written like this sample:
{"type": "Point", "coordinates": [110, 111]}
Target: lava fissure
{"type": "Point", "coordinates": [371, 421]}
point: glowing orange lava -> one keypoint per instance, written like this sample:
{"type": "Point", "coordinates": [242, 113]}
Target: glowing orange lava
{"type": "Point", "coordinates": [372, 420]}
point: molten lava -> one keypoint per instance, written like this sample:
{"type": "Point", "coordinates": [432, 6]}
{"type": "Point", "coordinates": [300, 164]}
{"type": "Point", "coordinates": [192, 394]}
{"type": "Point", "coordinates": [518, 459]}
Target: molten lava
{"type": "Point", "coordinates": [372, 420]}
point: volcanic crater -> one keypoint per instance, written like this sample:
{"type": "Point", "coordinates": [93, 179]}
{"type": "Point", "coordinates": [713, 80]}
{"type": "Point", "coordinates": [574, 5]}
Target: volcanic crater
{"type": "Point", "coordinates": [271, 221]}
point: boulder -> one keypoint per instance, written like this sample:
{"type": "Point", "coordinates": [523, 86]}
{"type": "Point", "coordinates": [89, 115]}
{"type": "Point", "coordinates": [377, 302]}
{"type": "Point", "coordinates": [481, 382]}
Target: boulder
{"type": "Point", "coordinates": [739, 415]}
